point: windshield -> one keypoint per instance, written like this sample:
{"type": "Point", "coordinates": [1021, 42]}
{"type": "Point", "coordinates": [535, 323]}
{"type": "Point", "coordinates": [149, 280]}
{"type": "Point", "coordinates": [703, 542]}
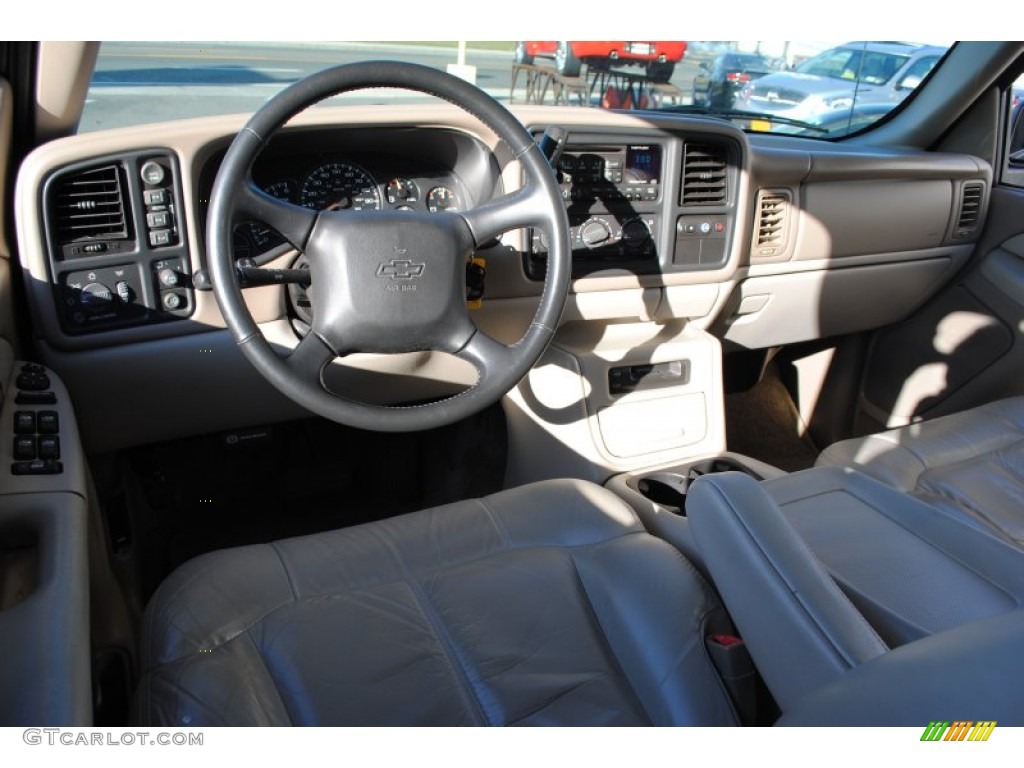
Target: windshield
{"type": "Point", "coordinates": [810, 88]}
{"type": "Point", "coordinates": [854, 64]}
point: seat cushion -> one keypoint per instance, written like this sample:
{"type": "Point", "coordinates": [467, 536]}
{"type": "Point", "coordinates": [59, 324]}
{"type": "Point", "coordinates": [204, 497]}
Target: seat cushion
{"type": "Point", "coordinates": [911, 568]}
{"type": "Point", "coordinates": [969, 463]}
{"type": "Point", "coordinates": [546, 604]}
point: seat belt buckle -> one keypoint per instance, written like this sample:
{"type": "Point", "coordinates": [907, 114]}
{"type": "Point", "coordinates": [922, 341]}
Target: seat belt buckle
{"type": "Point", "coordinates": [736, 668]}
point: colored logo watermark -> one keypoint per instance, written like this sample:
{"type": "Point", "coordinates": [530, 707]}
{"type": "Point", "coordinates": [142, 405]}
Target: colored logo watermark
{"type": "Point", "coordinates": [961, 730]}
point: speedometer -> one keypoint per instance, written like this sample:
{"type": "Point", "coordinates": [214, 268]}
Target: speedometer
{"type": "Point", "coordinates": [340, 186]}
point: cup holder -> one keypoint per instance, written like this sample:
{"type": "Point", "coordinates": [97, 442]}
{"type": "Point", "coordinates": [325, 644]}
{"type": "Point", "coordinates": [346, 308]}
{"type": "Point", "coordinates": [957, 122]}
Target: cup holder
{"type": "Point", "coordinates": [668, 487]}
{"type": "Point", "coordinates": [665, 488]}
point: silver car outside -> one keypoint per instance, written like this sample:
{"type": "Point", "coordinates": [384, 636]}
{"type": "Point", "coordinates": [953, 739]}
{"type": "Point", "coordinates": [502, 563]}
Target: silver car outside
{"type": "Point", "coordinates": [836, 79]}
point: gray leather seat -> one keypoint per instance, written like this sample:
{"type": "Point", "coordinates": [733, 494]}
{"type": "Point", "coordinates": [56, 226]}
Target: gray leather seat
{"type": "Point", "coordinates": [970, 464]}
{"type": "Point", "coordinates": [824, 663]}
{"type": "Point", "coordinates": [546, 604]}
{"type": "Point", "coordinates": [910, 569]}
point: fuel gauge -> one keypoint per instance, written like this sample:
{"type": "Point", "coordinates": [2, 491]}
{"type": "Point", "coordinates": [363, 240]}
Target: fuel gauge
{"type": "Point", "coordinates": [401, 191]}
{"type": "Point", "coordinates": [442, 199]}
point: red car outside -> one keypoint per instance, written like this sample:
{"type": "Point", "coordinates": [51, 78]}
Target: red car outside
{"type": "Point", "coordinates": [659, 58]}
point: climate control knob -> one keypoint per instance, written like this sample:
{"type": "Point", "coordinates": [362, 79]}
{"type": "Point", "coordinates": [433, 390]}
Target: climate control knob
{"type": "Point", "coordinates": [635, 234]}
{"type": "Point", "coordinates": [595, 233]}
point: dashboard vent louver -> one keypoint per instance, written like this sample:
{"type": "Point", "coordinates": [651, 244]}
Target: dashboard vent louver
{"type": "Point", "coordinates": [90, 206]}
{"type": "Point", "coordinates": [970, 209]}
{"type": "Point", "coordinates": [772, 212]}
{"type": "Point", "coordinates": [704, 174]}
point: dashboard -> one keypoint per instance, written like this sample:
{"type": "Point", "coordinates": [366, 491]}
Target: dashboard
{"type": "Point", "coordinates": [675, 221]}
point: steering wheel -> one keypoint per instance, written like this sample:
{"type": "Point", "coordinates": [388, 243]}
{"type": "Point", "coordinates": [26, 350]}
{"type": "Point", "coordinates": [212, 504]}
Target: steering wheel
{"type": "Point", "coordinates": [388, 281]}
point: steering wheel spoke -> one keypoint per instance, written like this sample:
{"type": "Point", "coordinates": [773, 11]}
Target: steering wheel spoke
{"type": "Point", "coordinates": [293, 222]}
{"type": "Point", "coordinates": [526, 207]}
{"type": "Point", "coordinates": [485, 354]}
{"type": "Point", "coordinates": [310, 357]}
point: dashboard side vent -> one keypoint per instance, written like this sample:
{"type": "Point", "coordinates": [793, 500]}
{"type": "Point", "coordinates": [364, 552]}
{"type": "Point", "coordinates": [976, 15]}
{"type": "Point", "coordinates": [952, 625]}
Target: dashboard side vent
{"type": "Point", "coordinates": [704, 174]}
{"type": "Point", "coordinates": [970, 209]}
{"type": "Point", "coordinates": [771, 226]}
{"type": "Point", "coordinates": [90, 206]}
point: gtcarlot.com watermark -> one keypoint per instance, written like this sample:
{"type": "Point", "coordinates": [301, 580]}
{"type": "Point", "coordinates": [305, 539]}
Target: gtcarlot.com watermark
{"type": "Point", "coordinates": [71, 738]}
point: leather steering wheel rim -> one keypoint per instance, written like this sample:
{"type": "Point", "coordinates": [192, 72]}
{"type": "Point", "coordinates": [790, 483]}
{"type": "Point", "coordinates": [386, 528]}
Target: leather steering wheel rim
{"type": "Point", "coordinates": [352, 251]}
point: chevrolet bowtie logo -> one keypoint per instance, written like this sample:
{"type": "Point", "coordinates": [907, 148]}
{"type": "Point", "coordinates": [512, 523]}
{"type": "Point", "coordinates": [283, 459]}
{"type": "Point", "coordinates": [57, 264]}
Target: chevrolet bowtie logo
{"type": "Point", "coordinates": [400, 269]}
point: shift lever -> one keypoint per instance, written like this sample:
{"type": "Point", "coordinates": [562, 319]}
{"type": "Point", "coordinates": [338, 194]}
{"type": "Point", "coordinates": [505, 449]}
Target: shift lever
{"type": "Point", "coordinates": [552, 143]}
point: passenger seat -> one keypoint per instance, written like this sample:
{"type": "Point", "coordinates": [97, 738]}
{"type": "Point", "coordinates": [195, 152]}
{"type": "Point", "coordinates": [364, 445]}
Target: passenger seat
{"type": "Point", "coordinates": [970, 464]}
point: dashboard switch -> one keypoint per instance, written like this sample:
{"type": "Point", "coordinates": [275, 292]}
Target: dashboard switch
{"type": "Point", "coordinates": [168, 278]}
{"type": "Point", "coordinates": [152, 172]}
{"type": "Point", "coordinates": [155, 197]}
{"type": "Point", "coordinates": [32, 380]}
{"type": "Point", "coordinates": [49, 447]}
{"type": "Point", "coordinates": [24, 448]}
{"type": "Point", "coordinates": [173, 301]}
{"type": "Point", "coordinates": [37, 467]}
{"type": "Point", "coordinates": [36, 398]}
{"type": "Point", "coordinates": [627, 378]}
{"type": "Point", "coordinates": [48, 423]}
{"type": "Point", "coordinates": [24, 422]}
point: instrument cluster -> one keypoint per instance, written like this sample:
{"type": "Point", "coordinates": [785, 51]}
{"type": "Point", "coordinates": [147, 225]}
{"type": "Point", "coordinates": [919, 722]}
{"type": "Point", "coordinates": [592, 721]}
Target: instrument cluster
{"type": "Point", "coordinates": [372, 183]}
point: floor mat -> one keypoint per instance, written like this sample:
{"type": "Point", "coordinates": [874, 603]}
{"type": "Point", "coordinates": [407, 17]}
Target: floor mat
{"type": "Point", "coordinates": [763, 423]}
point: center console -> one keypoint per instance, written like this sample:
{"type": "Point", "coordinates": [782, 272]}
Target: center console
{"type": "Point", "coordinates": [645, 204]}
{"type": "Point", "coordinates": [613, 198]}
{"type": "Point", "coordinates": [637, 385]}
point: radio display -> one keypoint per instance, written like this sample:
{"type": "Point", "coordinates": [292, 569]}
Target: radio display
{"type": "Point", "coordinates": [643, 164]}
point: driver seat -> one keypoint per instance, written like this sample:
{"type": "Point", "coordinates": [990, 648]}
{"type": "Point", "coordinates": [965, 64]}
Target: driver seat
{"type": "Point", "coordinates": [547, 604]}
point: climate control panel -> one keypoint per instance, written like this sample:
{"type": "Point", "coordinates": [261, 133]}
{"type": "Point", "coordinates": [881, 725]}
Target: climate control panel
{"type": "Point", "coordinates": [125, 294]}
{"type": "Point", "coordinates": [602, 241]}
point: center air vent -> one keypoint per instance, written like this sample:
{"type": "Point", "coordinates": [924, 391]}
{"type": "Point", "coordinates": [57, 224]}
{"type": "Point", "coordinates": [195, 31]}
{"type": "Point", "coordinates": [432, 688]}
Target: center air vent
{"type": "Point", "coordinates": [771, 226]}
{"type": "Point", "coordinates": [970, 209]}
{"type": "Point", "coordinates": [704, 174]}
{"type": "Point", "coordinates": [90, 206]}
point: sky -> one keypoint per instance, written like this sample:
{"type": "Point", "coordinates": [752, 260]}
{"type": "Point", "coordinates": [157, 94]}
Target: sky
{"type": "Point", "coordinates": [479, 20]}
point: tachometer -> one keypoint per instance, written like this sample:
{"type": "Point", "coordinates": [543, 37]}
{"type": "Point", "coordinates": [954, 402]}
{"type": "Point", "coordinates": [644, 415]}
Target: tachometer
{"type": "Point", "coordinates": [340, 186]}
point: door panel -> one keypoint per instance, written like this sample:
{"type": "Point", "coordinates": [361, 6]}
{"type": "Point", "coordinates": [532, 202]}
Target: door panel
{"type": "Point", "coordinates": [7, 326]}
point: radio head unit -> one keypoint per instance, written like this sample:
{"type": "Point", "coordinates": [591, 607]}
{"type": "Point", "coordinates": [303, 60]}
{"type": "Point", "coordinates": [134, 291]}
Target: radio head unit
{"type": "Point", "coordinates": [631, 172]}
